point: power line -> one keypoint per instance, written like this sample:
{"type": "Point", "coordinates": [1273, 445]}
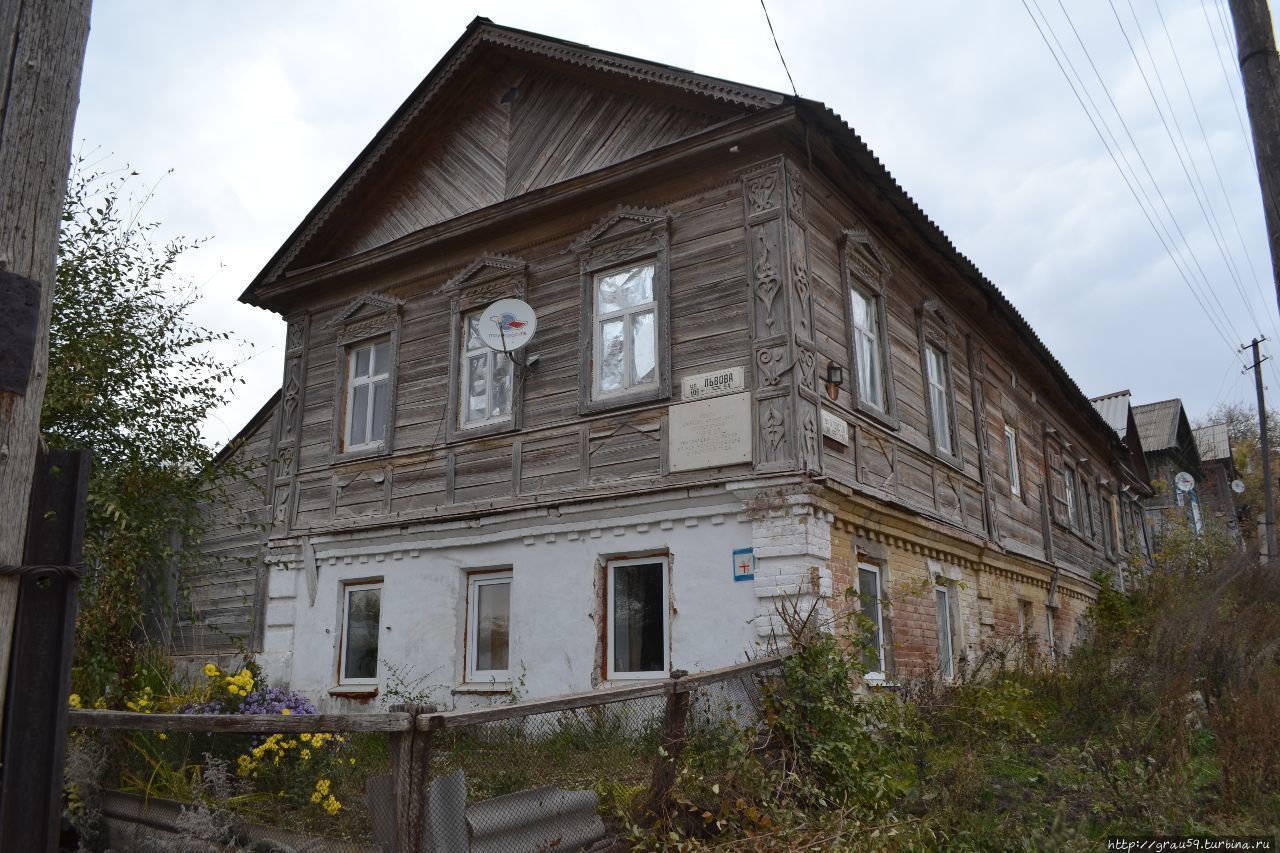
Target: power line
{"type": "Point", "coordinates": [1204, 278]}
{"type": "Point", "coordinates": [1204, 136]}
{"type": "Point", "coordinates": [1123, 174]}
{"type": "Point", "coordinates": [1209, 218]}
{"type": "Point", "coordinates": [778, 48]}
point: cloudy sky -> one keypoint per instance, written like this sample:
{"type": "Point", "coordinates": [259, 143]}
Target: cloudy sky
{"type": "Point", "coordinates": [257, 108]}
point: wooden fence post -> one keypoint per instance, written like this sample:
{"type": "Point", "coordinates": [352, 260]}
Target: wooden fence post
{"type": "Point", "coordinates": [666, 763]}
{"type": "Point", "coordinates": [411, 780]}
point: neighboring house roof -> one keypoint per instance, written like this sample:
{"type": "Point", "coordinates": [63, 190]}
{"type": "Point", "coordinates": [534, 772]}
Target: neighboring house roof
{"type": "Point", "coordinates": [1158, 424]}
{"type": "Point", "coordinates": [1114, 408]}
{"type": "Point", "coordinates": [745, 100]}
{"type": "Point", "coordinates": [1213, 441]}
{"type": "Point", "coordinates": [238, 440]}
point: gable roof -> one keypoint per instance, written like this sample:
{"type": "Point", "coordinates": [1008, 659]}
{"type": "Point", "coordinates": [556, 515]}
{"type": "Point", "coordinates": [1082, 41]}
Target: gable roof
{"type": "Point", "coordinates": [1114, 408]}
{"type": "Point", "coordinates": [1213, 441]}
{"type": "Point", "coordinates": [480, 34]}
{"type": "Point", "coordinates": [1158, 424]}
{"type": "Point", "coordinates": [747, 100]}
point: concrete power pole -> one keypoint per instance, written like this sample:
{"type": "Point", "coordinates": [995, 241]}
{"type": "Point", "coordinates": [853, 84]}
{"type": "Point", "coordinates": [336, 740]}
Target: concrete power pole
{"type": "Point", "coordinates": [1260, 73]}
{"type": "Point", "coordinates": [41, 56]}
{"type": "Point", "coordinates": [1268, 487]}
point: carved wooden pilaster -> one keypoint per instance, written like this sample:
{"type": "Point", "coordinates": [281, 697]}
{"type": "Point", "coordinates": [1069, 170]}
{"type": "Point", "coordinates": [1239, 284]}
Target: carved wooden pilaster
{"type": "Point", "coordinates": [786, 392]}
{"type": "Point", "coordinates": [289, 424]}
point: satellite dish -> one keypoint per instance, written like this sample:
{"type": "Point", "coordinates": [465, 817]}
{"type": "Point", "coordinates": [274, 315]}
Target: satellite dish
{"type": "Point", "coordinates": [1237, 486]}
{"type": "Point", "coordinates": [507, 325]}
{"type": "Point", "coordinates": [1184, 481]}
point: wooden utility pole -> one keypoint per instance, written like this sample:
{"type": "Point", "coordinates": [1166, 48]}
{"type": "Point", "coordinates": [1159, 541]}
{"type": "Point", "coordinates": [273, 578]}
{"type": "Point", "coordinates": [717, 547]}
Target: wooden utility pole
{"type": "Point", "coordinates": [1268, 487]}
{"type": "Point", "coordinates": [41, 56]}
{"type": "Point", "coordinates": [1260, 74]}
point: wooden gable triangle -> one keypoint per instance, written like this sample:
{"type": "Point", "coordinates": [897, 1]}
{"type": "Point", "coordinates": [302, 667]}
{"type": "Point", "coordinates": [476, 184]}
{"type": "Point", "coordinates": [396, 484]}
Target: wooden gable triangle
{"type": "Point", "coordinates": [505, 112]}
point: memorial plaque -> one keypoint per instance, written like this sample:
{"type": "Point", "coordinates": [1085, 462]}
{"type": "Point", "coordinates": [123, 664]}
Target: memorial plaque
{"type": "Point", "coordinates": [701, 385]}
{"type": "Point", "coordinates": [835, 428]}
{"type": "Point", "coordinates": [710, 433]}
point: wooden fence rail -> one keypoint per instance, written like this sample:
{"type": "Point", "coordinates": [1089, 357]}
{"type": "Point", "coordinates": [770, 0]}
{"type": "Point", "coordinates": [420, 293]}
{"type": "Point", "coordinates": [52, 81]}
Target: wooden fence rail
{"type": "Point", "coordinates": [411, 730]}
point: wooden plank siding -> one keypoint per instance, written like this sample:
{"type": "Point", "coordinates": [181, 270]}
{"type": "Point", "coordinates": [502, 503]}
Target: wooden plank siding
{"type": "Point", "coordinates": [620, 448]}
{"type": "Point", "coordinates": [216, 598]}
{"type": "Point", "coordinates": [897, 463]}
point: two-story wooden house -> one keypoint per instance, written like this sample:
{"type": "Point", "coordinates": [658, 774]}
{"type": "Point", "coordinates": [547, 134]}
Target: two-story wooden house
{"type": "Point", "coordinates": [760, 374]}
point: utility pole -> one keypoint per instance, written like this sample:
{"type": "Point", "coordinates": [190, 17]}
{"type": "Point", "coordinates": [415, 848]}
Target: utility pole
{"type": "Point", "coordinates": [1268, 487]}
{"type": "Point", "coordinates": [41, 57]}
{"type": "Point", "coordinates": [1260, 74]}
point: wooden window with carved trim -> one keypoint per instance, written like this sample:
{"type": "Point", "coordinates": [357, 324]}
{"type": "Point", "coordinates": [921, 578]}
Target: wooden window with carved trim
{"type": "Point", "coordinates": [486, 388]}
{"type": "Point", "coordinates": [866, 272]}
{"type": "Point", "coordinates": [625, 310]}
{"type": "Point", "coordinates": [368, 336]}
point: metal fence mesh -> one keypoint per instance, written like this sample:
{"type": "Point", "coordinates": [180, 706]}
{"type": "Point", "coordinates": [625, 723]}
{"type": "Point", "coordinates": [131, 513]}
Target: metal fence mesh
{"type": "Point", "coordinates": [568, 779]}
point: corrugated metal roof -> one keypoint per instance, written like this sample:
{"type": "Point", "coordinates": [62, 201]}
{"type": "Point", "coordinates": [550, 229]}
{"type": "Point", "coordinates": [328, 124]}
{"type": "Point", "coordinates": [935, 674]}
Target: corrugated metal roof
{"type": "Point", "coordinates": [1158, 424]}
{"type": "Point", "coordinates": [1114, 409]}
{"type": "Point", "coordinates": [1213, 441]}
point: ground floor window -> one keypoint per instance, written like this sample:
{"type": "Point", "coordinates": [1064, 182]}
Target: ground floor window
{"type": "Point", "coordinates": [361, 621]}
{"type": "Point", "coordinates": [488, 640]}
{"type": "Point", "coordinates": [869, 603]}
{"type": "Point", "coordinates": [637, 618]}
{"type": "Point", "coordinates": [946, 651]}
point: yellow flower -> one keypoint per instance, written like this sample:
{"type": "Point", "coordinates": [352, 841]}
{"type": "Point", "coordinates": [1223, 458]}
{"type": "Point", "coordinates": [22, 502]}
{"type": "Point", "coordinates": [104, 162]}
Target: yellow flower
{"type": "Point", "coordinates": [100, 703]}
{"type": "Point", "coordinates": [211, 670]}
{"type": "Point", "coordinates": [322, 786]}
{"type": "Point", "coordinates": [305, 737]}
{"type": "Point", "coordinates": [162, 736]}
{"type": "Point", "coordinates": [285, 711]}
{"type": "Point", "coordinates": [353, 761]}
{"type": "Point", "coordinates": [306, 754]}
{"type": "Point", "coordinates": [316, 797]}
{"type": "Point", "coordinates": [74, 700]}
{"type": "Point", "coordinates": [331, 805]}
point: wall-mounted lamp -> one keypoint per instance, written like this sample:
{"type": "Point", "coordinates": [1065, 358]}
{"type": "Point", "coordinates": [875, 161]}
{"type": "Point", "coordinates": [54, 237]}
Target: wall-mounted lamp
{"type": "Point", "coordinates": [835, 378]}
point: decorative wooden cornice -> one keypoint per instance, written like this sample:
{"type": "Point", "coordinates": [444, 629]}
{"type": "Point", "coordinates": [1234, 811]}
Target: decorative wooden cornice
{"type": "Point", "coordinates": [377, 301]}
{"type": "Point", "coordinates": [485, 268]}
{"type": "Point", "coordinates": [637, 217]}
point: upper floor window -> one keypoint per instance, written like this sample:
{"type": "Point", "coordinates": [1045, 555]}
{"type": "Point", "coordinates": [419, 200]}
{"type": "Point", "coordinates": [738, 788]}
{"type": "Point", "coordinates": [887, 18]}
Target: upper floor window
{"type": "Point", "coordinates": [1072, 499]}
{"type": "Point", "coordinates": [367, 393]}
{"type": "Point", "coordinates": [1011, 448]}
{"type": "Point", "coordinates": [625, 345]}
{"type": "Point", "coordinates": [866, 346]}
{"type": "Point", "coordinates": [486, 383]}
{"type": "Point", "coordinates": [624, 317]}
{"type": "Point", "coordinates": [938, 374]}
{"type": "Point", "coordinates": [866, 272]}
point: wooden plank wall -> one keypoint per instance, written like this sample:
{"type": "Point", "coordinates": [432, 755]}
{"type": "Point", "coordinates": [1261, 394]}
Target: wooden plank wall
{"type": "Point", "coordinates": [556, 451]}
{"type": "Point", "coordinates": [218, 597]}
{"type": "Point", "coordinates": [514, 129]}
{"type": "Point", "coordinates": [898, 464]}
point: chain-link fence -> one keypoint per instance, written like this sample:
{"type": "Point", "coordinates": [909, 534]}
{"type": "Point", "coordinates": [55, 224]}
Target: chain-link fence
{"type": "Point", "coordinates": [569, 773]}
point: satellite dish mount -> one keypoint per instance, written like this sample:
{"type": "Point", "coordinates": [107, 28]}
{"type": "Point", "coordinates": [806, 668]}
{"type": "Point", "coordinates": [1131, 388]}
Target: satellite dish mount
{"type": "Point", "coordinates": [506, 326]}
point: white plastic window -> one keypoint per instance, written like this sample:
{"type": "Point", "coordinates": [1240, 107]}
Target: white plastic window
{"type": "Point", "coordinates": [489, 626]}
{"type": "Point", "coordinates": [870, 603]}
{"type": "Point", "coordinates": [946, 652]}
{"type": "Point", "coordinates": [368, 384]}
{"type": "Point", "coordinates": [361, 621]}
{"type": "Point", "coordinates": [866, 345]}
{"type": "Point", "coordinates": [625, 337]}
{"type": "Point", "coordinates": [485, 389]}
{"type": "Point", "coordinates": [638, 618]}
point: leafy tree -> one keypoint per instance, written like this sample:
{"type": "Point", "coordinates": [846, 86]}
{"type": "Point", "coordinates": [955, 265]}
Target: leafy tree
{"type": "Point", "coordinates": [131, 378]}
{"type": "Point", "coordinates": [1246, 451]}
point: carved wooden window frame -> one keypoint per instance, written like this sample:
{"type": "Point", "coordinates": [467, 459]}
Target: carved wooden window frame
{"type": "Point", "coordinates": [352, 333]}
{"type": "Point", "coordinates": [1055, 464]}
{"type": "Point", "coordinates": [485, 280]}
{"type": "Point", "coordinates": [1013, 452]}
{"type": "Point", "coordinates": [862, 266]}
{"type": "Point", "coordinates": [626, 238]}
{"type": "Point", "coordinates": [936, 329]}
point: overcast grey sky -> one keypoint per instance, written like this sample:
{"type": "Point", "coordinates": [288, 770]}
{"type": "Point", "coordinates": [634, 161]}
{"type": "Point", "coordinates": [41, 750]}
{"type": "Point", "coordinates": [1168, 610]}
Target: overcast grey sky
{"type": "Point", "coordinates": [258, 107]}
